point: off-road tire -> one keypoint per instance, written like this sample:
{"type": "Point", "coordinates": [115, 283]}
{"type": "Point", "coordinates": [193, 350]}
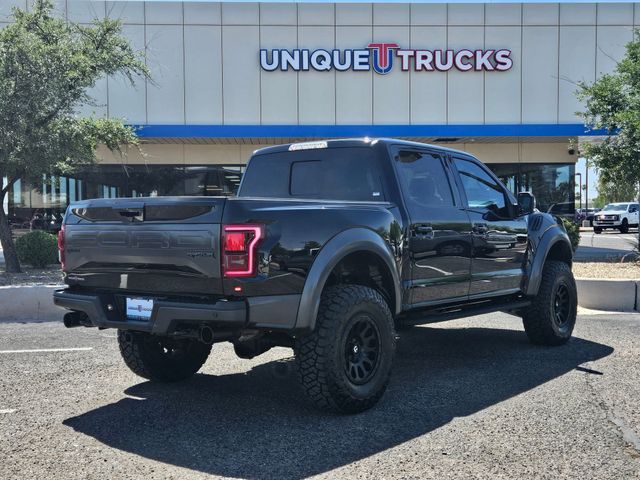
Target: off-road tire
{"type": "Point", "coordinates": [597, 229]}
{"type": "Point", "coordinates": [323, 358]}
{"type": "Point", "coordinates": [161, 359]}
{"type": "Point", "coordinates": [541, 323]}
{"type": "Point", "coordinates": [624, 228]}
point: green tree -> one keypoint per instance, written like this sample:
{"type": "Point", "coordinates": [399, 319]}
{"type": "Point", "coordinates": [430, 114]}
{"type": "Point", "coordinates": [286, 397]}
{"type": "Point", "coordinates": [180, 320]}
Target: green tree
{"type": "Point", "coordinates": [612, 104]}
{"type": "Point", "coordinates": [47, 66]}
{"type": "Point", "coordinates": [616, 190]}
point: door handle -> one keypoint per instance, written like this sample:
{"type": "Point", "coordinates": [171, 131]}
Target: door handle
{"type": "Point", "coordinates": [479, 228]}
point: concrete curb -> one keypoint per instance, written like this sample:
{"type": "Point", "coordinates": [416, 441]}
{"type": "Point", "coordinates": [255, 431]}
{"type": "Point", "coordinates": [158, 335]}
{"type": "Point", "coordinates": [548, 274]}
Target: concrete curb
{"type": "Point", "coordinates": [610, 295]}
{"type": "Point", "coordinates": [32, 303]}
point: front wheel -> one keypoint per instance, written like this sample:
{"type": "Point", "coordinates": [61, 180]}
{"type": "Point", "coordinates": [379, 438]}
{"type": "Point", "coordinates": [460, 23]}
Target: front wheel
{"type": "Point", "coordinates": [624, 228]}
{"type": "Point", "coordinates": [552, 315]}
{"type": "Point", "coordinates": [161, 359]}
{"type": "Point", "coordinates": [597, 229]}
{"type": "Point", "coordinates": [344, 365]}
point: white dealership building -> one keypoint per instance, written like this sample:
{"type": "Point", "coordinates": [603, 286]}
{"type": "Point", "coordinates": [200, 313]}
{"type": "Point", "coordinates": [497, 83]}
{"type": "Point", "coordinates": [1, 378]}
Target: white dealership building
{"type": "Point", "coordinates": [496, 79]}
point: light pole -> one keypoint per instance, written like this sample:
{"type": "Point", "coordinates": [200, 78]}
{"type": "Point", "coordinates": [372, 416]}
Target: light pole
{"type": "Point", "coordinates": [579, 174]}
{"type": "Point", "coordinates": [586, 183]}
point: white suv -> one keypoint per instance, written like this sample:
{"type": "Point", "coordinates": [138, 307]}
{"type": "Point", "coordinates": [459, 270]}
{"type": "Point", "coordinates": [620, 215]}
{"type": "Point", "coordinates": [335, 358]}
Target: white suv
{"type": "Point", "coordinates": [620, 216]}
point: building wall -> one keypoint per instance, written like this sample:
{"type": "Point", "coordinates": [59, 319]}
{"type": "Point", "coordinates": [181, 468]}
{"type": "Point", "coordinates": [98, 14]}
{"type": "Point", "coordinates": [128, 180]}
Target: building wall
{"type": "Point", "coordinates": [205, 66]}
{"type": "Point", "coordinates": [181, 154]}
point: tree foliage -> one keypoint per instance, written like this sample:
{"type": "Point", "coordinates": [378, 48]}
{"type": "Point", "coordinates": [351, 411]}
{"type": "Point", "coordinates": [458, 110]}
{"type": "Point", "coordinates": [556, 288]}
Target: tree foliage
{"type": "Point", "coordinates": [612, 104]}
{"type": "Point", "coordinates": [47, 66]}
{"type": "Point", "coordinates": [38, 248]}
{"type": "Point", "coordinates": [573, 231]}
{"type": "Point", "coordinates": [612, 189]}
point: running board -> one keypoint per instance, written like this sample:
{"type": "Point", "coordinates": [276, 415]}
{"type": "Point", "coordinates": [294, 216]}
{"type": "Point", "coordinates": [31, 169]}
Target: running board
{"type": "Point", "coordinates": [424, 316]}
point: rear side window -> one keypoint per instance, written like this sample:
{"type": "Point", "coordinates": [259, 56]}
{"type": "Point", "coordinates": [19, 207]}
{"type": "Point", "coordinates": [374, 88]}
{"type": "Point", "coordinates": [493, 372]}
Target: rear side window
{"type": "Point", "coordinates": [423, 181]}
{"type": "Point", "coordinates": [331, 174]}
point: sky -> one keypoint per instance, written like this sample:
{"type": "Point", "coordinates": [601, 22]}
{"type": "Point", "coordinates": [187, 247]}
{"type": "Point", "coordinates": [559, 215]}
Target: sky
{"type": "Point", "coordinates": [593, 178]}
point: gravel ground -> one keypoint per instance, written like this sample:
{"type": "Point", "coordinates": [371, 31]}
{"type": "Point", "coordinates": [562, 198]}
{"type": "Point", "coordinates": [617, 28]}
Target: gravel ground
{"type": "Point", "coordinates": [468, 399]}
{"type": "Point", "coordinates": [32, 276]}
{"type": "Point", "coordinates": [611, 270]}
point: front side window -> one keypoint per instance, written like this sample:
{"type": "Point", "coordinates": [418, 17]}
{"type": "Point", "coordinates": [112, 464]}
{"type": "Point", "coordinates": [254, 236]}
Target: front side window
{"type": "Point", "coordinates": [483, 192]}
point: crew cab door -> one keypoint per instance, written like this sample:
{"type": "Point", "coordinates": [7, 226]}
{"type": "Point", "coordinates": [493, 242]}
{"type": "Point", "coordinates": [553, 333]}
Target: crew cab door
{"type": "Point", "coordinates": [499, 234]}
{"type": "Point", "coordinates": [439, 227]}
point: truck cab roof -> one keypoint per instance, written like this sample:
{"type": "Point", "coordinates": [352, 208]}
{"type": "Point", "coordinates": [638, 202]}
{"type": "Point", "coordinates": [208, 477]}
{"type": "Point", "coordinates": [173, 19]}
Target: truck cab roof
{"type": "Point", "coordinates": [350, 142]}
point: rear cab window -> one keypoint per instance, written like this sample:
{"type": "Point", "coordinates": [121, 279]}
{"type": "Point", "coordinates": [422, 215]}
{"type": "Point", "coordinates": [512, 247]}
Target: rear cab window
{"type": "Point", "coordinates": [348, 173]}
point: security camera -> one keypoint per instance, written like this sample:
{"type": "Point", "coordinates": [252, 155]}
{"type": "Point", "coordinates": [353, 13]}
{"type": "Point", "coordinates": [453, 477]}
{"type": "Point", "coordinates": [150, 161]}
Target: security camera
{"type": "Point", "coordinates": [571, 151]}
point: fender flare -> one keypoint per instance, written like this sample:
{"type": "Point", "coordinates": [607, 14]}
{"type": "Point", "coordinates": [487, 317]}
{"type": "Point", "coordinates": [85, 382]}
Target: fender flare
{"type": "Point", "coordinates": [343, 244]}
{"type": "Point", "coordinates": [547, 241]}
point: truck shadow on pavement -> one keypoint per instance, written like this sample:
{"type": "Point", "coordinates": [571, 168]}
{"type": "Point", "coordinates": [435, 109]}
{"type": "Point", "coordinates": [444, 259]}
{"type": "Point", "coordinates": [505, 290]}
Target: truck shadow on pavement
{"type": "Point", "coordinates": [257, 424]}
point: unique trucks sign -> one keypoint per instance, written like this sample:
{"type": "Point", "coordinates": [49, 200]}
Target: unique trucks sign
{"type": "Point", "coordinates": [380, 58]}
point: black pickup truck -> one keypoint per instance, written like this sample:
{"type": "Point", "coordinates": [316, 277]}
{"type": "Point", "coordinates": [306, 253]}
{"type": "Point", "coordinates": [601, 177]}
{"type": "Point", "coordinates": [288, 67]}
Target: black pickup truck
{"type": "Point", "coordinates": [328, 248]}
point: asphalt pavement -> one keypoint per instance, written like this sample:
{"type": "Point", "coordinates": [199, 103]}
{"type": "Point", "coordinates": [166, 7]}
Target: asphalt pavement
{"type": "Point", "coordinates": [606, 246]}
{"type": "Point", "coordinates": [468, 399]}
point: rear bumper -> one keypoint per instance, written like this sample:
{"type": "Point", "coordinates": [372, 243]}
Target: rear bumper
{"type": "Point", "coordinates": [166, 317]}
{"type": "Point", "coordinates": [105, 310]}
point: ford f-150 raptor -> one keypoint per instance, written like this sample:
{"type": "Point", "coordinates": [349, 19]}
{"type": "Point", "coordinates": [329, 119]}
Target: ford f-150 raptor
{"type": "Point", "coordinates": [328, 248]}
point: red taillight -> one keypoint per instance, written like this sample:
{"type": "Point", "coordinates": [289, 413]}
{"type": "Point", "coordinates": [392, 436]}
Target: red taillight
{"type": "Point", "coordinates": [239, 249]}
{"type": "Point", "coordinates": [61, 247]}
{"type": "Point", "coordinates": [235, 241]}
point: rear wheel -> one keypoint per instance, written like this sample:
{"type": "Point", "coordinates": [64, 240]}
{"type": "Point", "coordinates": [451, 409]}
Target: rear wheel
{"type": "Point", "coordinates": [552, 315]}
{"type": "Point", "coordinates": [345, 363]}
{"type": "Point", "coordinates": [159, 358]}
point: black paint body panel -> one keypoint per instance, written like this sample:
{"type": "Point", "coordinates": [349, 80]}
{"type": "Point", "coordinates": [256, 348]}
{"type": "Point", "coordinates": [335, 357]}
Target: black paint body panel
{"type": "Point", "coordinates": [169, 247]}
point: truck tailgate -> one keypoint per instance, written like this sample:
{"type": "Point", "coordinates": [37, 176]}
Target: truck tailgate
{"type": "Point", "coordinates": [159, 246]}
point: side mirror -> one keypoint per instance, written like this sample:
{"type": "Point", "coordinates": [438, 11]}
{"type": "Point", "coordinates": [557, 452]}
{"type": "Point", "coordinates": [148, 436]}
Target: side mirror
{"type": "Point", "coordinates": [526, 203]}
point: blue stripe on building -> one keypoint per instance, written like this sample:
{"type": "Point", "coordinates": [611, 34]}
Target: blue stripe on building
{"type": "Point", "coordinates": [324, 131]}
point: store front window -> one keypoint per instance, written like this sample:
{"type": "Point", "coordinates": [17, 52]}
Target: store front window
{"type": "Point", "coordinates": [42, 205]}
{"type": "Point", "coordinates": [552, 184]}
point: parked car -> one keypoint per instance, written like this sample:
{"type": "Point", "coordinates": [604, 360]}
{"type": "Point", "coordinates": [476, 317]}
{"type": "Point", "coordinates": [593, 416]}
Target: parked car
{"type": "Point", "coordinates": [566, 210]}
{"type": "Point", "coordinates": [590, 215]}
{"type": "Point", "coordinates": [618, 216]}
{"type": "Point", "coordinates": [49, 222]}
{"type": "Point", "coordinates": [587, 214]}
{"type": "Point", "coordinates": [327, 249]}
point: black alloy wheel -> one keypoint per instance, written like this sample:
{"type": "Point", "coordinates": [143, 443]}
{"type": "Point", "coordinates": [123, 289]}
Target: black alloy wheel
{"type": "Point", "coordinates": [362, 350]}
{"type": "Point", "coordinates": [561, 306]}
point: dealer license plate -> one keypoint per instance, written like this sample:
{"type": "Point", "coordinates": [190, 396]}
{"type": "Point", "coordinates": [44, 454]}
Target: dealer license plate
{"type": "Point", "coordinates": [139, 308]}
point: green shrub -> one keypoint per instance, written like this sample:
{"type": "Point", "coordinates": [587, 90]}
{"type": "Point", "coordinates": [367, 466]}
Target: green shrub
{"type": "Point", "coordinates": [573, 230]}
{"type": "Point", "coordinates": [37, 248]}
